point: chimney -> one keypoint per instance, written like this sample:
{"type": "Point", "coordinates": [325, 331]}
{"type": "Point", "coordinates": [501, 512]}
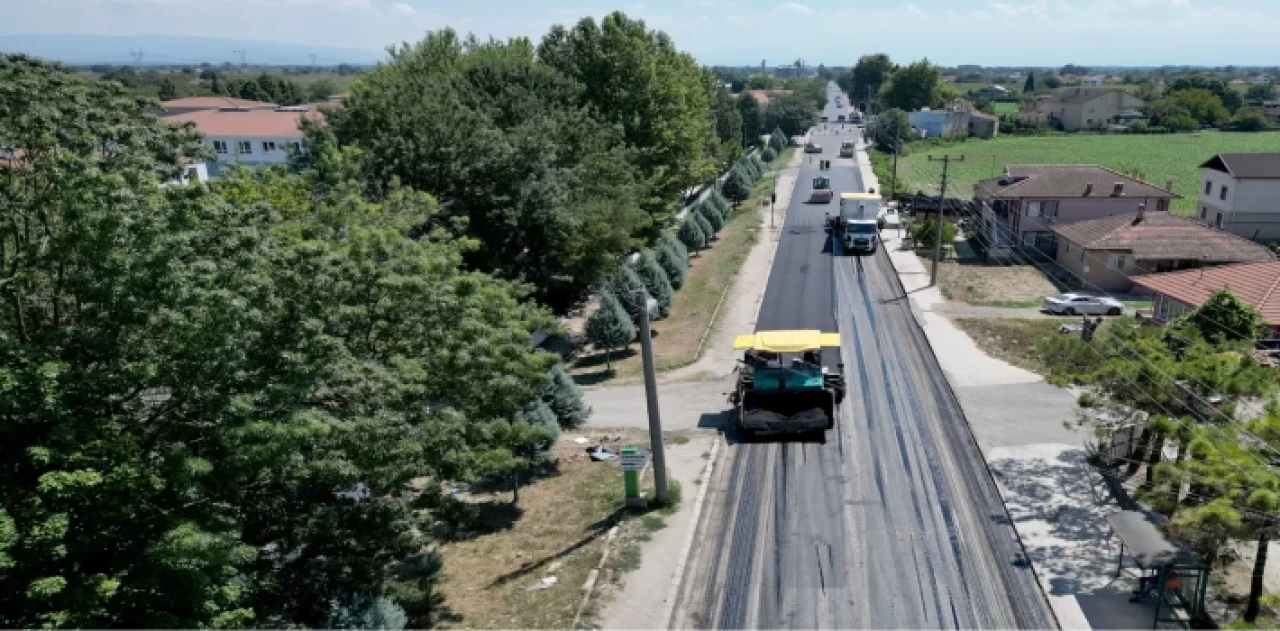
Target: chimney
{"type": "Point", "coordinates": [1168, 185]}
{"type": "Point", "coordinates": [1117, 189]}
{"type": "Point", "coordinates": [1088, 189]}
{"type": "Point", "coordinates": [1142, 212]}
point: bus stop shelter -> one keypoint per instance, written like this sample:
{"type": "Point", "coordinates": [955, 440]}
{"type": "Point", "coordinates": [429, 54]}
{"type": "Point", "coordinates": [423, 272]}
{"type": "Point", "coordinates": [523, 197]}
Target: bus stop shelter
{"type": "Point", "coordinates": [1180, 579]}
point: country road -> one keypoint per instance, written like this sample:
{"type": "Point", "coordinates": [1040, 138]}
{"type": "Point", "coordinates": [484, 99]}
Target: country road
{"type": "Point", "coordinates": [893, 521]}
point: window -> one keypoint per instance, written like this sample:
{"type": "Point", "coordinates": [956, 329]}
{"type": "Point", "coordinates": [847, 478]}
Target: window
{"type": "Point", "coordinates": [268, 146]}
{"type": "Point", "coordinates": [1222, 194]}
{"type": "Point", "coordinates": [1082, 257]}
{"type": "Point", "coordinates": [1208, 187]}
{"type": "Point", "coordinates": [1117, 262]}
{"type": "Point", "coordinates": [1217, 223]}
{"type": "Point", "coordinates": [1162, 204]}
{"type": "Point", "coordinates": [1050, 209]}
{"type": "Point", "coordinates": [193, 174]}
{"type": "Point", "coordinates": [1029, 239]}
{"type": "Point", "coordinates": [296, 146]}
{"type": "Point", "coordinates": [220, 146]}
{"type": "Point", "coordinates": [1204, 212]}
{"type": "Point", "coordinates": [1033, 209]}
{"type": "Point", "coordinates": [1088, 121]}
{"type": "Point", "coordinates": [244, 146]}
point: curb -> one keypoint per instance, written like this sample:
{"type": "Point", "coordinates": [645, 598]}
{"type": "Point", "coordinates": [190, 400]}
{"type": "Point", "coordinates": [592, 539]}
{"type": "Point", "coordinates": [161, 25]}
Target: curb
{"type": "Point", "coordinates": [673, 592]}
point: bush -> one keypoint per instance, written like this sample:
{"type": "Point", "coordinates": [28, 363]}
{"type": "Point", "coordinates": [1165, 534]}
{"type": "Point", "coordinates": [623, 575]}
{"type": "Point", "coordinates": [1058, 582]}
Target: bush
{"type": "Point", "coordinates": [737, 187]}
{"type": "Point", "coordinates": [691, 234]}
{"type": "Point", "coordinates": [564, 397]}
{"type": "Point", "coordinates": [655, 280]}
{"type": "Point", "coordinates": [925, 234]}
{"type": "Point", "coordinates": [365, 612]}
{"type": "Point", "coordinates": [678, 247]}
{"type": "Point", "coordinates": [778, 141]}
{"type": "Point", "coordinates": [1250, 119]}
{"type": "Point", "coordinates": [721, 204]}
{"type": "Point", "coordinates": [1180, 122]}
{"type": "Point", "coordinates": [674, 266]}
{"type": "Point", "coordinates": [757, 164]}
{"type": "Point", "coordinates": [768, 155]}
{"type": "Point", "coordinates": [747, 166]}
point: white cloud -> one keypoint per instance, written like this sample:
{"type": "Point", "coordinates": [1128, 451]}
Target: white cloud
{"type": "Point", "coordinates": [914, 10]}
{"type": "Point", "coordinates": [403, 8]}
{"type": "Point", "coordinates": [793, 7]}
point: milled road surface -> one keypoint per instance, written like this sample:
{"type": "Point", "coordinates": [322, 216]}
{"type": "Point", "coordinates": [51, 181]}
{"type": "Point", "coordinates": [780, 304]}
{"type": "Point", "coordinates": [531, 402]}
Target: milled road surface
{"type": "Point", "coordinates": [893, 521]}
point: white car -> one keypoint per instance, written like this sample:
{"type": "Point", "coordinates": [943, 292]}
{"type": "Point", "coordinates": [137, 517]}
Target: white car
{"type": "Point", "coordinates": [1082, 304]}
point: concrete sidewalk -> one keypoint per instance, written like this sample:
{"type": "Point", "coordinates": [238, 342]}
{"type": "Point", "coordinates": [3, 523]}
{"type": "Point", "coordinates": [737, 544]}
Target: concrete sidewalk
{"type": "Point", "coordinates": [1057, 501]}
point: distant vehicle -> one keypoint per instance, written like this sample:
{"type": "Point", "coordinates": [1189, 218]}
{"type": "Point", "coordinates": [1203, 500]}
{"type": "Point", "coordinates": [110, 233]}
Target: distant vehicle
{"type": "Point", "coordinates": [822, 193]}
{"type": "Point", "coordinates": [783, 386]}
{"type": "Point", "coordinates": [813, 147]}
{"type": "Point", "coordinates": [856, 225]}
{"type": "Point", "coordinates": [1082, 304]}
{"type": "Point", "coordinates": [846, 149]}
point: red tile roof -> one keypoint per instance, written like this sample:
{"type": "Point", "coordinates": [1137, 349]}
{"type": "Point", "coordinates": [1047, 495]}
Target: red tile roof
{"type": "Point", "coordinates": [247, 124]}
{"type": "Point", "coordinates": [1164, 237]}
{"type": "Point", "coordinates": [764, 96]}
{"type": "Point", "coordinates": [214, 102]}
{"type": "Point", "coordinates": [1255, 284]}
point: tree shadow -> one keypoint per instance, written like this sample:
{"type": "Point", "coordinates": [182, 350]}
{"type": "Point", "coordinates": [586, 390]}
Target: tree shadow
{"type": "Point", "coordinates": [599, 358]}
{"type": "Point", "coordinates": [595, 531]}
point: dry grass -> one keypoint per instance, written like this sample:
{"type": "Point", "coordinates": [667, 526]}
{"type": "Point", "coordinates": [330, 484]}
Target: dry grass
{"type": "Point", "coordinates": [558, 531]}
{"type": "Point", "coordinates": [993, 285]}
{"type": "Point", "coordinates": [711, 271]}
{"type": "Point", "coordinates": [1011, 340]}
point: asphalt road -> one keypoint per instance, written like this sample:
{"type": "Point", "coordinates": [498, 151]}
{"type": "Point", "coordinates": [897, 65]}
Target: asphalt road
{"type": "Point", "coordinates": [893, 521]}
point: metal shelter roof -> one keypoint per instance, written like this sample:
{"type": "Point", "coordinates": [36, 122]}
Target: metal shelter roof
{"type": "Point", "coordinates": [1146, 544]}
{"type": "Point", "coordinates": [787, 341]}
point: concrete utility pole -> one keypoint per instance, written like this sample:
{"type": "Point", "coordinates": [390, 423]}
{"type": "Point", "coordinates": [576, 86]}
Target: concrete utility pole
{"type": "Point", "coordinates": [651, 399]}
{"type": "Point", "coordinates": [942, 202]}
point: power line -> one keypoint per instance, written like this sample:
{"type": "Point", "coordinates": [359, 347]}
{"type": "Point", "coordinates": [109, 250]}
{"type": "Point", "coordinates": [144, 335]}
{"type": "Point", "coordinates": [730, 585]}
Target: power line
{"type": "Point", "coordinates": [242, 53]}
{"type": "Point", "coordinates": [137, 57]}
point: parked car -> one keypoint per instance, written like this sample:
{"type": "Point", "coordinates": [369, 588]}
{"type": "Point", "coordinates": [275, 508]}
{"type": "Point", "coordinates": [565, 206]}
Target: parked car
{"type": "Point", "coordinates": [1082, 304]}
{"type": "Point", "coordinates": [813, 147]}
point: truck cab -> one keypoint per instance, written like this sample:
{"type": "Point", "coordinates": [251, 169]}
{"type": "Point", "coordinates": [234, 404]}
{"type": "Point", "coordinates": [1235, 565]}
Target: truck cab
{"type": "Point", "coordinates": [857, 224]}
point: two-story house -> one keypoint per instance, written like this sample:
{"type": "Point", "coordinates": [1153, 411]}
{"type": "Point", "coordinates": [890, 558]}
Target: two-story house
{"type": "Point", "coordinates": [1082, 108]}
{"type": "Point", "coordinates": [1021, 208]}
{"type": "Point", "coordinates": [941, 123]}
{"type": "Point", "coordinates": [1240, 193]}
{"type": "Point", "coordinates": [249, 137]}
{"type": "Point", "coordinates": [1105, 254]}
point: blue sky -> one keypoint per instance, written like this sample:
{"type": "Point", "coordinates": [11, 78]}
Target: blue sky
{"type": "Point", "coordinates": [835, 32]}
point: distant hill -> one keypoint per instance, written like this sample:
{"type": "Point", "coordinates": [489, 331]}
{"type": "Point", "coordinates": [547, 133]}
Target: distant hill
{"type": "Point", "coordinates": [170, 49]}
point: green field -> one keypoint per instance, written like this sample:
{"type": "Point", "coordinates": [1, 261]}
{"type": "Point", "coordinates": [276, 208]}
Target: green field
{"type": "Point", "coordinates": [1154, 157]}
{"type": "Point", "coordinates": [1003, 108]}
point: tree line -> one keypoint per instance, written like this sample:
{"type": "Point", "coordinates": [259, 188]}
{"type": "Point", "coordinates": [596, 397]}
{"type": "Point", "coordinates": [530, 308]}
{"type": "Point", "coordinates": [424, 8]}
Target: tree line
{"type": "Point", "coordinates": [237, 406]}
{"type": "Point", "coordinates": [1221, 485]}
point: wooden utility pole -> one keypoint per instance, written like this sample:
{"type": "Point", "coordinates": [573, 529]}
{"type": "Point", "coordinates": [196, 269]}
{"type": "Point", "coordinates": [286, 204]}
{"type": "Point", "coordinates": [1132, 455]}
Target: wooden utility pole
{"type": "Point", "coordinates": [942, 204]}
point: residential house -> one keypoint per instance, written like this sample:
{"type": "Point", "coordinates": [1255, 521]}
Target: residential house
{"type": "Point", "coordinates": [941, 123]}
{"type": "Point", "coordinates": [763, 97]}
{"type": "Point", "coordinates": [1021, 208]}
{"type": "Point", "coordinates": [1240, 193]}
{"type": "Point", "coordinates": [983, 125]}
{"type": "Point", "coordinates": [1092, 82]}
{"type": "Point", "coordinates": [1178, 293]}
{"type": "Point", "coordinates": [1083, 108]}
{"type": "Point", "coordinates": [250, 137]}
{"type": "Point", "coordinates": [1106, 253]}
{"type": "Point", "coordinates": [205, 103]}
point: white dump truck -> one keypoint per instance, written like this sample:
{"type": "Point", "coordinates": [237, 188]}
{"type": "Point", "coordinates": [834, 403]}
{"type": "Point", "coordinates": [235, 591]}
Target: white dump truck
{"type": "Point", "coordinates": [856, 225]}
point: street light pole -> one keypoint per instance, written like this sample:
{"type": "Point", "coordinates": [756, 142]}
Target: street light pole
{"type": "Point", "coordinates": [651, 400]}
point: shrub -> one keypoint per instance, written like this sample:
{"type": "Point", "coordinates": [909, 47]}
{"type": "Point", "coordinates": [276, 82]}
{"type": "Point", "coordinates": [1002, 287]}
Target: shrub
{"type": "Point", "coordinates": [626, 284]}
{"type": "Point", "coordinates": [672, 264]}
{"type": "Point", "coordinates": [757, 164]}
{"type": "Point", "coordinates": [721, 204]}
{"type": "Point", "coordinates": [768, 155]}
{"type": "Point", "coordinates": [705, 226]}
{"type": "Point", "coordinates": [677, 246]}
{"type": "Point", "coordinates": [691, 235]}
{"type": "Point", "coordinates": [925, 233]}
{"type": "Point", "coordinates": [737, 187]}
{"type": "Point", "coordinates": [711, 216]}
{"type": "Point", "coordinates": [564, 397]}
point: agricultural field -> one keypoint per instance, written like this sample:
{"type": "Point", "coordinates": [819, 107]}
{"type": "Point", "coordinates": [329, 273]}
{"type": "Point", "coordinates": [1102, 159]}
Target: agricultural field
{"type": "Point", "coordinates": [1153, 158]}
{"type": "Point", "coordinates": [1003, 108]}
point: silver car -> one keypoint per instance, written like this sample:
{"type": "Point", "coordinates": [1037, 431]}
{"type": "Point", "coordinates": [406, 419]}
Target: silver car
{"type": "Point", "coordinates": [1082, 304]}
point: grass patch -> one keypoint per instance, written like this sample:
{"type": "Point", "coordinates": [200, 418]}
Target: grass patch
{"type": "Point", "coordinates": [1004, 107]}
{"type": "Point", "coordinates": [652, 523]}
{"type": "Point", "coordinates": [1154, 157]}
{"type": "Point", "coordinates": [672, 438]}
{"type": "Point", "coordinates": [994, 285]}
{"type": "Point", "coordinates": [1011, 340]}
{"type": "Point", "coordinates": [676, 339]}
{"type": "Point", "coordinates": [557, 530]}
{"type": "Point", "coordinates": [626, 559]}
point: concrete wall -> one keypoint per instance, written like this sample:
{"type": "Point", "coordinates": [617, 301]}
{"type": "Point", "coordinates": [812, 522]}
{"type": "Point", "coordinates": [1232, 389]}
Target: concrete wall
{"type": "Point", "coordinates": [1074, 209]}
{"type": "Point", "coordinates": [1093, 268]}
{"type": "Point", "coordinates": [940, 123]}
{"type": "Point", "coordinates": [257, 156]}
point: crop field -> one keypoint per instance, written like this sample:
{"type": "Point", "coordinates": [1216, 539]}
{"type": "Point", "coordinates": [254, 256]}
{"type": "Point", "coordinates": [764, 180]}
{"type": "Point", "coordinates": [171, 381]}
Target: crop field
{"type": "Point", "coordinates": [1003, 108]}
{"type": "Point", "coordinates": [1153, 158]}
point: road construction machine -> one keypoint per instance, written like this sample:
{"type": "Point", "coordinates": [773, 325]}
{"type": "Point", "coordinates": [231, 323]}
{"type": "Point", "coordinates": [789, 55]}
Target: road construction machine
{"type": "Point", "coordinates": [846, 149]}
{"type": "Point", "coordinates": [822, 193]}
{"type": "Point", "coordinates": [783, 386]}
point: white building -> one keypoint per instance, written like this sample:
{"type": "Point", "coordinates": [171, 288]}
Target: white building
{"type": "Point", "coordinates": [249, 136]}
{"type": "Point", "coordinates": [1240, 193]}
{"type": "Point", "coordinates": [950, 121]}
{"type": "Point", "coordinates": [1091, 82]}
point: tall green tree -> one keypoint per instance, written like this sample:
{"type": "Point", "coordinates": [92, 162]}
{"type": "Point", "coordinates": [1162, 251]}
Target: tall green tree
{"type": "Point", "coordinates": [737, 187]}
{"type": "Point", "coordinates": [793, 114]}
{"type": "Point", "coordinates": [691, 234]}
{"type": "Point", "coordinates": [655, 281]}
{"type": "Point", "coordinates": [512, 150]}
{"type": "Point", "coordinates": [752, 119]}
{"type": "Point", "coordinates": [869, 75]}
{"type": "Point", "coordinates": [627, 287]}
{"type": "Point", "coordinates": [891, 131]}
{"type": "Point", "coordinates": [1221, 89]}
{"type": "Point", "coordinates": [674, 266]}
{"type": "Point", "coordinates": [564, 398]}
{"type": "Point", "coordinates": [1224, 318]}
{"type": "Point", "coordinates": [638, 80]}
{"type": "Point", "coordinates": [609, 327]}
{"type": "Point", "coordinates": [1030, 86]}
{"type": "Point", "coordinates": [1198, 103]}
{"type": "Point", "coordinates": [728, 125]}
{"type": "Point", "coordinates": [1260, 93]}
{"type": "Point", "coordinates": [913, 87]}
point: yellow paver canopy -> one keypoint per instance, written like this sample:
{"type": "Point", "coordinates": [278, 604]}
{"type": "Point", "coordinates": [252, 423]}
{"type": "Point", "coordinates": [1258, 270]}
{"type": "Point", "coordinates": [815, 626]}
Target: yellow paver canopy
{"type": "Point", "coordinates": [787, 341]}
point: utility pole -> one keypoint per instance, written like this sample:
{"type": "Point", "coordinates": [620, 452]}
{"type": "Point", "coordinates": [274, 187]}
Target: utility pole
{"type": "Point", "coordinates": [942, 203]}
{"type": "Point", "coordinates": [313, 60]}
{"type": "Point", "coordinates": [893, 183]}
{"type": "Point", "coordinates": [137, 57]}
{"type": "Point", "coordinates": [242, 53]}
{"type": "Point", "coordinates": [651, 400]}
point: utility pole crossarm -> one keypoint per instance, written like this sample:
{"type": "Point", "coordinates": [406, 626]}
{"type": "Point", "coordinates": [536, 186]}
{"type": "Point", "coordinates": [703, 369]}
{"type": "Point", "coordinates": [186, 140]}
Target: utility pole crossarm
{"type": "Point", "coordinates": [942, 203]}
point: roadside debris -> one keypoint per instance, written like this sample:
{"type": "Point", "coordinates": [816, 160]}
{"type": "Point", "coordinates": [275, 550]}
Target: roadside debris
{"type": "Point", "coordinates": [545, 582]}
{"type": "Point", "coordinates": [600, 453]}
